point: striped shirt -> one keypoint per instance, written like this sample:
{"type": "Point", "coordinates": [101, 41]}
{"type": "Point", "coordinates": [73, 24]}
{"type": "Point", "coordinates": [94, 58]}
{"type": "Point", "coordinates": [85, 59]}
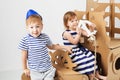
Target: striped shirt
{"type": "Point", "coordinates": [38, 57]}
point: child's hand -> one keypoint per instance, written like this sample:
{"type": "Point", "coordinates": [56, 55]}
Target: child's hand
{"type": "Point", "coordinates": [27, 72]}
{"type": "Point", "coordinates": [69, 49]}
{"type": "Point", "coordinates": [78, 30]}
{"type": "Point", "coordinates": [92, 24]}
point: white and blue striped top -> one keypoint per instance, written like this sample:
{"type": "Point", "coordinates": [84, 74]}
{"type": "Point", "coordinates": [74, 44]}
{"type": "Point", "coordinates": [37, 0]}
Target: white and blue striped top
{"type": "Point", "coordinates": [38, 57]}
{"type": "Point", "coordinates": [81, 56]}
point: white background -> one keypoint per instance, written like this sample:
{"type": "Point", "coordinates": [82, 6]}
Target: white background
{"type": "Point", "coordinates": [12, 25]}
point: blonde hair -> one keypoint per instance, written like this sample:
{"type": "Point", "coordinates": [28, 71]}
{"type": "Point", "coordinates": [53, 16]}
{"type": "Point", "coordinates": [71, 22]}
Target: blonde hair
{"type": "Point", "coordinates": [33, 19]}
{"type": "Point", "coordinates": [68, 16]}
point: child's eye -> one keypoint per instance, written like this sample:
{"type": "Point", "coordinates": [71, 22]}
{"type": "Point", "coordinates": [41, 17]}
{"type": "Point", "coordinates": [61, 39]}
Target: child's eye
{"type": "Point", "coordinates": [76, 20]}
{"type": "Point", "coordinates": [31, 27]}
{"type": "Point", "coordinates": [37, 26]}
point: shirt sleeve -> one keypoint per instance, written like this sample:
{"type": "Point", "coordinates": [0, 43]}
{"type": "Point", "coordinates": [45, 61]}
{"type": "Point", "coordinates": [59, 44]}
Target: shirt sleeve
{"type": "Point", "coordinates": [23, 44]}
{"type": "Point", "coordinates": [48, 40]}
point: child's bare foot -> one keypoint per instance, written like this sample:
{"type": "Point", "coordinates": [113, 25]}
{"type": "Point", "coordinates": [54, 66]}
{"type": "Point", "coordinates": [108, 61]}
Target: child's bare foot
{"type": "Point", "coordinates": [101, 77]}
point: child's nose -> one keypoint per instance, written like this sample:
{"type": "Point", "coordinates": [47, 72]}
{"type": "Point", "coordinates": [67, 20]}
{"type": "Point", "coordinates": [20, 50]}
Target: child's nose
{"type": "Point", "coordinates": [34, 29]}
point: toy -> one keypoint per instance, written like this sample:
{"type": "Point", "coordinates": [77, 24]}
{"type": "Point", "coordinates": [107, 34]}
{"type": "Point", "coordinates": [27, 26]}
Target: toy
{"type": "Point", "coordinates": [91, 32]}
{"type": "Point", "coordinates": [83, 25]}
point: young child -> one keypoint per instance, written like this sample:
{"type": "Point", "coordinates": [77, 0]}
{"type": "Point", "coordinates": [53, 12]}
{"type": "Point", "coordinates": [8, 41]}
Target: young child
{"type": "Point", "coordinates": [80, 55]}
{"type": "Point", "coordinates": [35, 58]}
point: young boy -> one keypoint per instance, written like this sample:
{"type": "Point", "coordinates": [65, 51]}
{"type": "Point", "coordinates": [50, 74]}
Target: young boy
{"type": "Point", "coordinates": [35, 58]}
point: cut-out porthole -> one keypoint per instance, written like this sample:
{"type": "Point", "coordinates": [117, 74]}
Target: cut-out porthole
{"type": "Point", "coordinates": [117, 64]}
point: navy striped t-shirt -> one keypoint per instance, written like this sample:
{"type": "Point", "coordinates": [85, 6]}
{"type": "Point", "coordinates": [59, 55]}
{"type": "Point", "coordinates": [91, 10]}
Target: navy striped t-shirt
{"type": "Point", "coordinates": [38, 58]}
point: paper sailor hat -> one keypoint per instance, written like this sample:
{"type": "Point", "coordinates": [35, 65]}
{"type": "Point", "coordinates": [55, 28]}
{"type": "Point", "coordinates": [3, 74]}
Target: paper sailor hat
{"type": "Point", "coordinates": [31, 12]}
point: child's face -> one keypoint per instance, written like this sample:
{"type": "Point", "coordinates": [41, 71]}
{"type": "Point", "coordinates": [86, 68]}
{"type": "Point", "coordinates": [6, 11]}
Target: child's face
{"type": "Point", "coordinates": [35, 29]}
{"type": "Point", "coordinates": [73, 23]}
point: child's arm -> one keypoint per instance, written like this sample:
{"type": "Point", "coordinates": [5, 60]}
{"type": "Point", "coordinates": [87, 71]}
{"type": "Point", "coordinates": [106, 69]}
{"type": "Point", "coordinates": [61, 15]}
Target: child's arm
{"type": "Point", "coordinates": [73, 40]}
{"type": "Point", "coordinates": [57, 46]}
{"type": "Point", "coordinates": [84, 33]}
{"type": "Point", "coordinates": [24, 62]}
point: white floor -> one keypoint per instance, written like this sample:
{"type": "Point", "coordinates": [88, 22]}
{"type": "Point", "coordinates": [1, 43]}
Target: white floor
{"type": "Point", "coordinates": [10, 75]}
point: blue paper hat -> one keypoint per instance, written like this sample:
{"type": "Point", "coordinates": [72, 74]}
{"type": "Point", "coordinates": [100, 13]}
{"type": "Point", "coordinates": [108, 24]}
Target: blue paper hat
{"type": "Point", "coordinates": [31, 12]}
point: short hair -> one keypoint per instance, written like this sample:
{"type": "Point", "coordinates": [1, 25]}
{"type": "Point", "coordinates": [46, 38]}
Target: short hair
{"type": "Point", "coordinates": [33, 18]}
